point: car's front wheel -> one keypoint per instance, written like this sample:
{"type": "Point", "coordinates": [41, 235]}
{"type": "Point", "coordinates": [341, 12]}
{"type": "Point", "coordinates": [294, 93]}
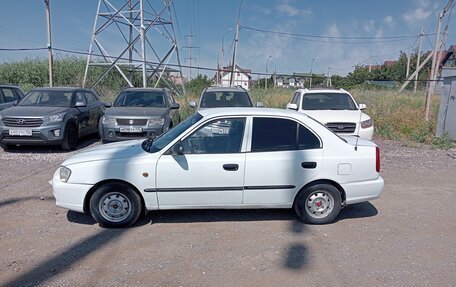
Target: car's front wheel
{"type": "Point", "coordinates": [318, 204]}
{"type": "Point", "coordinates": [115, 205]}
{"type": "Point", "coordinates": [70, 139]}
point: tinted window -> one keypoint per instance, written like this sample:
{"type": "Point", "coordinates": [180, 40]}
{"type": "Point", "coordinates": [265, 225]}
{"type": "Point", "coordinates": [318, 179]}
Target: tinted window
{"type": "Point", "coordinates": [295, 99]}
{"type": "Point", "coordinates": [270, 134]}
{"type": "Point", "coordinates": [90, 97]}
{"type": "Point", "coordinates": [306, 139]}
{"type": "Point", "coordinates": [327, 101]}
{"type": "Point", "coordinates": [225, 99]}
{"type": "Point", "coordinates": [80, 97]}
{"type": "Point", "coordinates": [218, 136]}
{"type": "Point", "coordinates": [8, 95]}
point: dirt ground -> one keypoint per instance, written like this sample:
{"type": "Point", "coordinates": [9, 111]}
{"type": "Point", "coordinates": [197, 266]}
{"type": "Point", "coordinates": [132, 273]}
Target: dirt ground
{"type": "Point", "coordinates": [405, 238]}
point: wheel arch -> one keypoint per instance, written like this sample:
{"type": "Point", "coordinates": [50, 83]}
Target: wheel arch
{"type": "Point", "coordinates": [323, 181]}
{"type": "Point", "coordinates": [92, 190]}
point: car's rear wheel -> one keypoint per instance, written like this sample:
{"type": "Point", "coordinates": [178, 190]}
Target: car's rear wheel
{"type": "Point", "coordinates": [318, 204]}
{"type": "Point", "coordinates": [70, 140]}
{"type": "Point", "coordinates": [115, 205]}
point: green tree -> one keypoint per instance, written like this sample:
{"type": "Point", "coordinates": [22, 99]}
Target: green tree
{"type": "Point", "coordinates": [197, 85]}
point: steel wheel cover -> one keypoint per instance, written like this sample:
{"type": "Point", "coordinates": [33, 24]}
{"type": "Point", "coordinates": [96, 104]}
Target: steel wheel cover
{"type": "Point", "coordinates": [319, 204]}
{"type": "Point", "coordinates": [114, 206]}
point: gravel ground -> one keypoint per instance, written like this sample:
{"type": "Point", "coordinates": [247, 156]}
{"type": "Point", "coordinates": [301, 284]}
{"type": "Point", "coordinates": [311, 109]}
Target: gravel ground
{"type": "Point", "coordinates": [404, 238]}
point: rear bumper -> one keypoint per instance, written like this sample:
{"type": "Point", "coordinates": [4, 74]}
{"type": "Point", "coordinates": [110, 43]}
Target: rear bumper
{"type": "Point", "coordinates": [356, 192]}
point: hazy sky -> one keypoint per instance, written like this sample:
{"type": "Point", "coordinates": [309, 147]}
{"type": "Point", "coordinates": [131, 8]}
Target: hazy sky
{"type": "Point", "coordinates": [340, 34]}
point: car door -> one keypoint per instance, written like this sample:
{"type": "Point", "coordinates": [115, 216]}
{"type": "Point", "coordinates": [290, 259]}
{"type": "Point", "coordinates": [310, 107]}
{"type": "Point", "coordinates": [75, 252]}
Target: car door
{"type": "Point", "coordinates": [95, 112]}
{"type": "Point", "coordinates": [83, 116]}
{"type": "Point", "coordinates": [210, 172]}
{"type": "Point", "coordinates": [284, 156]}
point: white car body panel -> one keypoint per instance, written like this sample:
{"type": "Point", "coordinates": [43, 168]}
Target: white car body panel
{"type": "Point", "coordinates": [263, 179]}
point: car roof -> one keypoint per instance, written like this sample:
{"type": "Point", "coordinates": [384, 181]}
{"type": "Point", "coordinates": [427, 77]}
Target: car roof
{"type": "Point", "coordinates": [242, 111]}
{"type": "Point", "coordinates": [9, 86]}
{"type": "Point", "coordinates": [144, 89]}
{"type": "Point", "coordinates": [224, 89]}
{"type": "Point", "coordinates": [323, 90]}
{"type": "Point", "coordinates": [60, 89]}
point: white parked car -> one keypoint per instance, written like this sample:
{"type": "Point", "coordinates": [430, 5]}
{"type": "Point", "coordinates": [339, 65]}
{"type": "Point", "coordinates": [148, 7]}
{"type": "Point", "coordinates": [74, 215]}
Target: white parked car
{"type": "Point", "coordinates": [224, 158]}
{"type": "Point", "coordinates": [336, 109]}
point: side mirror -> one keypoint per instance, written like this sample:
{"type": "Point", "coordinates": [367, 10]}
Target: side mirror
{"type": "Point", "coordinates": [80, 104]}
{"type": "Point", "coordinates": [108, 104]}
{"type": "Point", "coordinates": [192, 104]}
{"type": "Point", "coordinates": [362, 106]}
{"type": "Point", "coordinates": [178, 149]}
{"type": "Point", "coordinates": [291, 106]}
{"type": "Point", "coordinates": [259, 105]}
{"type": "Point", "coordinates": [15, 103]}
{"type": "Point", "coordinates": [175, 106]}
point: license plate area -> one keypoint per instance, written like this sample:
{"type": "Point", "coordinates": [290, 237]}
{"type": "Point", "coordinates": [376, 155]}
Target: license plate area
{"type": "Point", "coordinates": [21, 132]}
{"type": "Point", "coordinates": [130, 130]}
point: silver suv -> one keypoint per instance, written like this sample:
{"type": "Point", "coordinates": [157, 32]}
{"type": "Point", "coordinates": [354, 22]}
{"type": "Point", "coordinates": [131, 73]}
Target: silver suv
{"type": "Point", "coordinates": [51, 116]}
{"type": "Point", "coordinates": [139, 113]}
{"type": "Point", "coordinates": [220, 97]}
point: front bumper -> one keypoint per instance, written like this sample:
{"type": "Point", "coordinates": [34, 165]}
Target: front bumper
{"type": "Point", "coordinates": [112, 134]}
{"type": "Point", "coordinates": [69, 195]}
{"type": "Point", "coordinates": [48, 135]}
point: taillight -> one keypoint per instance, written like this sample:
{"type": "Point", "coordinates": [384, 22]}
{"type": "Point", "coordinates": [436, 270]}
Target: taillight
{"type": "Point", "coordinates": [377, 159]}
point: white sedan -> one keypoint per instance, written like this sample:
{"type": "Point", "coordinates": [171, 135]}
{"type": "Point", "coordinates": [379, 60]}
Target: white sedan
{"type": "Point", "coordinates": [224, 158]}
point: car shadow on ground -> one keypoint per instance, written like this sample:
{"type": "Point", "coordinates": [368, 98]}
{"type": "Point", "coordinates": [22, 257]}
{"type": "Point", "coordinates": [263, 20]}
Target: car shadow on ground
{"type": "Point", "coordinates": [44, 149]}
{"type": "Point", "coordinates": [358, 210]}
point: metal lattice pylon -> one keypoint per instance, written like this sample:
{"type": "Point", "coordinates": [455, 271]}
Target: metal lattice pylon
{"type": "Point", "coordinates": [131, 36]}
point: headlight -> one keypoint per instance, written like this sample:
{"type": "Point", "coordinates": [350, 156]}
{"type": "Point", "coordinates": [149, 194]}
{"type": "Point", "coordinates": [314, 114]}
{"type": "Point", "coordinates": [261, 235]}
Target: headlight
{"type": "Point", "coordinates": [54, 118]}
{"type": "Point", "coordinates": [366, 124]}
{"type": "Point", "coordinates": [156, 122]}
{"type": "Point", "coordinates": [108, 120]}
{"type": "Point", "coordinates": [64, 174]}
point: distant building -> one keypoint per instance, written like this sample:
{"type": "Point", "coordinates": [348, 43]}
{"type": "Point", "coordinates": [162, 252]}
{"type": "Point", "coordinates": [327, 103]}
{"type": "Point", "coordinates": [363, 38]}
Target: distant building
{"type": "Point", "coordinates": [296, 80]}
{"type": "Point", "coordinates": [241, 77]}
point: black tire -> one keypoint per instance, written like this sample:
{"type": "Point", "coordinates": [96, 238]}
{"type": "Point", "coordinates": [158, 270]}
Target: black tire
{"type": "Point", "coordinates": [115, 205]}
{"type": "Point", "coordinates": [4, 146]}
{"type": "Point", "coordinates": [70, 140]}
{"type": "Point", "coordinates": [318, 204]}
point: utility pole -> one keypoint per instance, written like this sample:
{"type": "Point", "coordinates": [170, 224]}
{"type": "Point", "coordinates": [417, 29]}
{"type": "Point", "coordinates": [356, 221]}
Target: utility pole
{"type": "Point", "coordinates": [418, 59]}
{"type": "Point", "coordinates": [49, 43]}
{"type": "Point", "coordinates": [407, 71]}
{"type": "Point", "coordinates": [435, 65]}
{"type": "Point", "coordinates": [143, 44]}
{"type": "Point", "coordinates": [266, 76]}
{"type": "Point", "coordinates": [370, 63]}
{"type": "Point", "coordinates": [311, 73]}
{"type": "Point", "coordinates": [236, 40]}
{"type": "Point", "coordinates": [328, 79]}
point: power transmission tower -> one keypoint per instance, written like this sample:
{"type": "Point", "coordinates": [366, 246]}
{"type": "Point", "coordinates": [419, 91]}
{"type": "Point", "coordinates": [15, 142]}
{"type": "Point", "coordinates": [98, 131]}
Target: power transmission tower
{"type": "Point", "coordinates": [121, 41]}
{"type": "Point", "coordinates": [190, 57]}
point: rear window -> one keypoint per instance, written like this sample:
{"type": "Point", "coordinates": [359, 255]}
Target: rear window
{"type": "Point", "coordinates": [225, 99]}
{"type": "Point", "coordinates": [328, 101]}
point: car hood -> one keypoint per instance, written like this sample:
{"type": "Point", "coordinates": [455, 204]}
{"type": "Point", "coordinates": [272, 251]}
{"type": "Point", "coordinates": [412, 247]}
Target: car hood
{"type": "Point", "coordinates": [124, 149]}
{"type": "Point", "coordinates": [354, 140]}
{"type": "Point", "coordinates": [328, 116]}
{"type": "Point", "coordinates": [33, 111]}
{"type": "Point", "coordinates": [136, 112]}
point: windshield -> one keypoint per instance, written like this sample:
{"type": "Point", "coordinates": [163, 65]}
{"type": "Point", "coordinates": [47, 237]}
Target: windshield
{"type": "Point", "coordinates": [225, 99]}
{"type": "Point", "coordinates": [154, 145]}
{"type": "Point", "coordinates": [47, 99]}
{"type": "Point", "coordinates": [154, 99]}
{"type": "Point", "coordinates": [328, 101]}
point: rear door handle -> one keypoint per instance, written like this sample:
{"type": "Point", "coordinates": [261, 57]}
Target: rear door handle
{"type": "Point", "coordinates": [231, 166]}
{"type": "Point", "coordinates": [309, 164]}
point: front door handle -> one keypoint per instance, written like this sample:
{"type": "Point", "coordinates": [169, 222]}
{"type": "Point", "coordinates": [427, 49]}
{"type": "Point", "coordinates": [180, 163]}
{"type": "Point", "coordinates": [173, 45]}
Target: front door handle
{"type": "Point", "coordinates": [309, 164]}
{"type": "Point", "coordinates": [231, 166]}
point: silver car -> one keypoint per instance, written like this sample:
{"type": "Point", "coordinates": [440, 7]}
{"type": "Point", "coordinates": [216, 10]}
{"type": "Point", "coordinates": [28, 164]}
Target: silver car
{"type": "Point", "coordinates": [139, 113]}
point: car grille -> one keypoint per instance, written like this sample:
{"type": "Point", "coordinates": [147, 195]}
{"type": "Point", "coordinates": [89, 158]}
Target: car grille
{"type": "Point", "coordinates": [341, 127]}
{"type": "Point", "coordinates": [132, 122]}
{"type": "Point", "coordinates": [22, 122]}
